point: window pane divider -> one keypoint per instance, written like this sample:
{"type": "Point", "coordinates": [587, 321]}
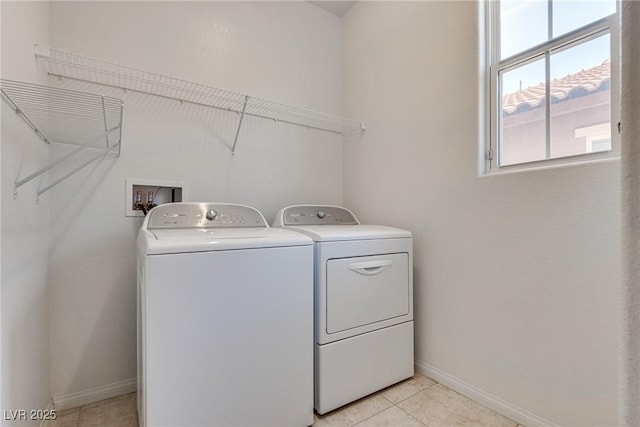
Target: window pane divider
{"type": "Point", "coordinates": [587, 31]}
{"type": "Point", "coordinates": [547, 102]}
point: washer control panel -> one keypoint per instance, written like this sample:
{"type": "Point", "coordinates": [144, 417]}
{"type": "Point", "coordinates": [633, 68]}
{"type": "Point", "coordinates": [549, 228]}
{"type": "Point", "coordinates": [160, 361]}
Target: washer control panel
{"type": "Point", "coordinates": [318, 215]}
{"type": "Point", "coordinates": [204, 215]}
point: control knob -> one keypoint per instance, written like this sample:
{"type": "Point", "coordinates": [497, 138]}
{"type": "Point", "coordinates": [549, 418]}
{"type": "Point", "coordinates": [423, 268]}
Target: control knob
{"type": "Point", "coordinates": [320, 214]}
{"type": "Point", "coordinates": [211, 214]}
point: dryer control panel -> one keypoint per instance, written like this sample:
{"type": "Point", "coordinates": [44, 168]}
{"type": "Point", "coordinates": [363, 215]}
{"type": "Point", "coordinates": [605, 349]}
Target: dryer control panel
{"type": "Point", "coordinates": [318, 215]}
{"type": "Point", "coordinates": [204, 215]}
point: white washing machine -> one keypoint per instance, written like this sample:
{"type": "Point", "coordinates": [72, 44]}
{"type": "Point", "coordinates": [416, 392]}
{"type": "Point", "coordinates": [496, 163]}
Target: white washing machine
{"type": "Point", "coordinates": [363, 303]}
{"type": "Point", "coordinates": [225, 319]}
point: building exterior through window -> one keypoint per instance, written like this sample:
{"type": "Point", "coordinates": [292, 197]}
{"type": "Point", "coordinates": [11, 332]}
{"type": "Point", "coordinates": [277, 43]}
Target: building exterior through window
{"type": "Point", "coordinates": [581, 121]}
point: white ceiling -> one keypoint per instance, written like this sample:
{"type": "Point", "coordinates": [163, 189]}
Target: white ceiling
{"type": "Point", "coordinates": [338, 8]}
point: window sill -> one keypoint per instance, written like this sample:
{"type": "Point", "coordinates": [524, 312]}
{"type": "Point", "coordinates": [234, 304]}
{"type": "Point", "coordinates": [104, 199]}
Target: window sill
{"type": "Point", "coordinates": [518, 169]}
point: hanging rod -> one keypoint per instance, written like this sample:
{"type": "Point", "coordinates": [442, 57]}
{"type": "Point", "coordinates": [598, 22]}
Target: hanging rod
{"type": "Point", "coordinates": [63, 116]}
{"type": "Point", "coordinates": [77, 67]}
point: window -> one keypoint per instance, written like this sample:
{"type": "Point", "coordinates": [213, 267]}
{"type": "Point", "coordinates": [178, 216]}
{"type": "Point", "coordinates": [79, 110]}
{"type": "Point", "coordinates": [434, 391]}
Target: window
{"type": "Point", "coordinates": [553, 89]}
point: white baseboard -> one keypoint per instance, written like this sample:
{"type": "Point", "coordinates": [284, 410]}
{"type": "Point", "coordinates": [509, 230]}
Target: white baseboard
{"type": "Point", "coordinates": [48, 410]}
{"type": "Point", "coordinates": [94, 394]}
{"type": "Point", "coordinates": [499, 405]}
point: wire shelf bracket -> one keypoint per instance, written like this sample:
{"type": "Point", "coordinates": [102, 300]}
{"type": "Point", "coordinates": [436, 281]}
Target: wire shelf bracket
{"type": "Point", "coordinates": [77, 67]}
{"type": "Point", "coordinates": [60, 116]}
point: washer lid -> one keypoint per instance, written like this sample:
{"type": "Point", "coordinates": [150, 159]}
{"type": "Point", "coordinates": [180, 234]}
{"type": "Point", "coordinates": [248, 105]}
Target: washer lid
{"type": "Point", "coordinates": [171, 241]}
{"type": "Point", "coordinates": [330, 233]}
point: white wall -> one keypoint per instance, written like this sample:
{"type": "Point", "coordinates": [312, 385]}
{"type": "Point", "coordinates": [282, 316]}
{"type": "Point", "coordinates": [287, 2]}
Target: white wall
{"type": "Point", "coordinates": [25, 224]}
{"type": "Point", "coordinates": [516, 276]}
{"type": "Point", "coordinates": [285, 51]}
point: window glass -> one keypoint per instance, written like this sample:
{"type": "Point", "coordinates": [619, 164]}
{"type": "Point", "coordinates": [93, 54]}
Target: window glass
{"type": "Point", "coordinates": [569, 15]}
{"type": "Point", "coordinates": [551, 87]}
{"type": "Point", "coordinates": [523, 131]}
{"type": "Point", "coordinates": [581, 98]}
{"type": "Point", "coordinates": [523, 24]}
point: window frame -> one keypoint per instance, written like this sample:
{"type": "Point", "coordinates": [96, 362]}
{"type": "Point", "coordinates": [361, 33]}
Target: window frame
{"type": "Point", "coordinates": [494, 66]}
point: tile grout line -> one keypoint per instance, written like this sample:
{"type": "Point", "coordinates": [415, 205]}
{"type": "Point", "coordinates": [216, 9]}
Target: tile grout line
{"type": "Point", "coordinates": [424, 424]}
{"type": "Point", "coordinates": [379, 412]}
{"type": "Point", "coordinates": [396, 405]}
{"type": "Point", "coordinates": [409, 397]}
{"type": "Point", "coordinates": [418, 392]}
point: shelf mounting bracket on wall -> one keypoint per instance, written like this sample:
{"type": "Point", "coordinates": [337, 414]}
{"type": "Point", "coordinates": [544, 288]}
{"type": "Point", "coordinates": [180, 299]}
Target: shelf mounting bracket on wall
{"type": "Point", "coordinates": [67, 117]}
{"type": "Point", "coordinates": [235, 140]}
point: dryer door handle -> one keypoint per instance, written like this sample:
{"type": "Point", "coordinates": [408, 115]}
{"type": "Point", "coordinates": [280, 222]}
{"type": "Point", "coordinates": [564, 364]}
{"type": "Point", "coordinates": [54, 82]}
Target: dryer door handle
{"type": "Point", "coordinates": [369, 268]}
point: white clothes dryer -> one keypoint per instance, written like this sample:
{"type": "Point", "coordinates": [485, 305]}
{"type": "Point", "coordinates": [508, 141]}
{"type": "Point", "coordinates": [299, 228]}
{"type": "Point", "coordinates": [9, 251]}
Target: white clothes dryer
{"type": "Point", "coordinates": [363, 303]}
{"type": "Point", "coordinates": [225, 319]}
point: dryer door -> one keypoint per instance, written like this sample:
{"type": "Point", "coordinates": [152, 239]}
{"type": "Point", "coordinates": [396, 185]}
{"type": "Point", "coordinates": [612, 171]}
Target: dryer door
{"type": "Point", "coordinates": [366, 290]}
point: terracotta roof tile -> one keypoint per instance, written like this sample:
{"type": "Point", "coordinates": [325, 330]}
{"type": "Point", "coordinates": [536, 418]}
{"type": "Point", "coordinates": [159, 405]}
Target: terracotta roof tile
{"type": "Point", "coordinates": [582, 83]}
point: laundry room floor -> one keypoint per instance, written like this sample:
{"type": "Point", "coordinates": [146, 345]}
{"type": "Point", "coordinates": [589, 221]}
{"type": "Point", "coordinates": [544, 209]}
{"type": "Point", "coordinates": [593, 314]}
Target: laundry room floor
{"type": "Point", "coordinates": [118, 411]}
{"type": "Point", "coordinates": [416, 402]}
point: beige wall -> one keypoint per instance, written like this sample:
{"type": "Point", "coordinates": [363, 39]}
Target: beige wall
{"type": "Point", "coordinates": [516, 275]}
{"type": "Point", "coordinates": [25, 225]}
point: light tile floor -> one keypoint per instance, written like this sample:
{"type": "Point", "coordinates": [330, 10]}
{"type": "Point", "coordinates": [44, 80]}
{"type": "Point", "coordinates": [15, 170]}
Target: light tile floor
{"type": "Point", "coordinates": [416, 402]}
{"type": "Point", "coordinates": [120, 411]}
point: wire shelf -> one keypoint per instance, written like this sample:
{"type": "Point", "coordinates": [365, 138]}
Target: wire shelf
{"type": "Point", "coordinates": [62, 116]}
{"type": "Point", "coordinates": [74, 66]}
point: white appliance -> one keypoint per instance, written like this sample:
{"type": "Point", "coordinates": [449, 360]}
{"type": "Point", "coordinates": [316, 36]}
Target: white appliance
{"type": "Point", "coordinates": [225, 319]}
{"type": "Point", "coordinates": [363, 302]}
